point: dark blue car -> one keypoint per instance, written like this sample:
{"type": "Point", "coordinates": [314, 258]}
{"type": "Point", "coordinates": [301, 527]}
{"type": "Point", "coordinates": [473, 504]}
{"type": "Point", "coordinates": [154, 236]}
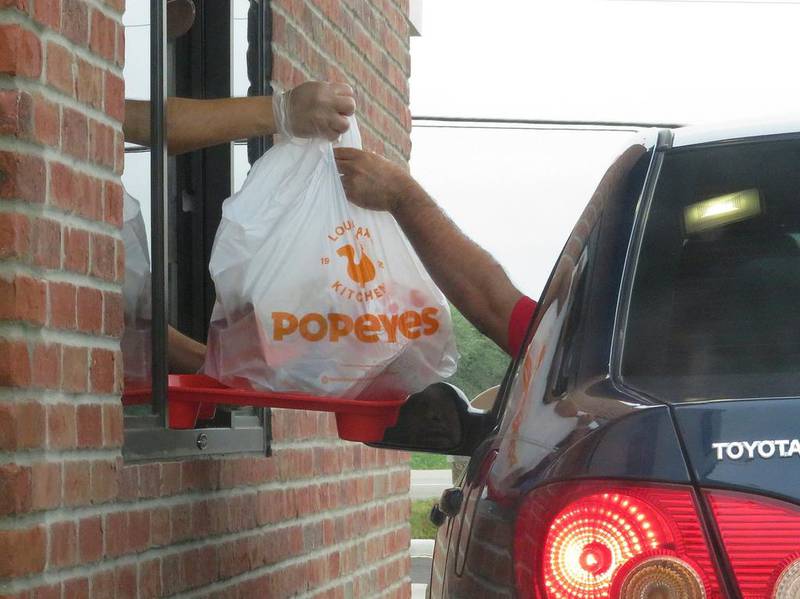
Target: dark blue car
{"type": "Point", "coordinates": [646, 444]}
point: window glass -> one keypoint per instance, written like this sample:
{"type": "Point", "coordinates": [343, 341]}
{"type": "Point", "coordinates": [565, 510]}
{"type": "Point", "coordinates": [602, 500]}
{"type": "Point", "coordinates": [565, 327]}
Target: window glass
{"type": "Point", "coordinates": [136, 231]}
{"type": "Point", "coordinates": [713, 312]}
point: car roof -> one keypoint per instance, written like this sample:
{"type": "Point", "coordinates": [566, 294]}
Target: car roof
{"type": "Point", "coordinates": [701, 134]}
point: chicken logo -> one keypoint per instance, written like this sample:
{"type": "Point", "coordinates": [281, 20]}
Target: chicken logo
{"type": "Point", "coordinates": [361, 272]}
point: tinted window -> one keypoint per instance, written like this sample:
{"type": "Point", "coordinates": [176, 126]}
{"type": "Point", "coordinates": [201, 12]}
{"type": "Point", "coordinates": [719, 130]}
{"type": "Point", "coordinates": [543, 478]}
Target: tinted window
{"type": "Point", "coordinates": [714, 310]}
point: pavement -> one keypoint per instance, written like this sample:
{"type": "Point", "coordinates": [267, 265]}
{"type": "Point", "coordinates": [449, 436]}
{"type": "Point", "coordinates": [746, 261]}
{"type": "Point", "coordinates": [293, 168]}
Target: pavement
{"type": "Point", "coordinates": [421, 561]}
{"type": "Point", "coordinates": [425, 484]}
{"type": "Point", "coordinates": [429, 484]}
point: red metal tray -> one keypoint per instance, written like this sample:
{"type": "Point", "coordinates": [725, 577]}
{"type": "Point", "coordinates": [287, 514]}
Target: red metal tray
{"type": "Point", "coordinates": [195, 396]}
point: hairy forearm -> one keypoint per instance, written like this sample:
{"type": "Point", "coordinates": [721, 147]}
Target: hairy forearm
{"type": "Point", "coordinates": [466, 273]}
{"type": "Point", "coordinates": [195, 124]}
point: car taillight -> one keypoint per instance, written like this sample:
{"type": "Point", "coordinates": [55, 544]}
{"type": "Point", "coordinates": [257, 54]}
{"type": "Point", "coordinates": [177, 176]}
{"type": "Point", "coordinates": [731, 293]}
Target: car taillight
{"type": "Point", "coordinates": [762, 539]}
{"type": "Point", "coordinates": [594, 540]}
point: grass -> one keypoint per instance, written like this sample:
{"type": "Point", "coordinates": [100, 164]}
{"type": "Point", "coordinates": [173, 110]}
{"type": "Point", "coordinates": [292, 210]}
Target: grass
{"type": "Point", "coordinates": [429, 461]}
{"type": "Point", "coordinates": [482, 364]}
{"type": "Point", "coordinates": [421, 526]}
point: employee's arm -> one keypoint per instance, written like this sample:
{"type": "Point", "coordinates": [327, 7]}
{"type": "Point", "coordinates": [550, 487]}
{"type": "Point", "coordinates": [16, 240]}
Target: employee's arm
{"type": "Point", "coordinates": [466, 273]}
{"type": "Point", "coordinates": [184, 354]}
{"type": "Point", "coordinates": [314, 109]}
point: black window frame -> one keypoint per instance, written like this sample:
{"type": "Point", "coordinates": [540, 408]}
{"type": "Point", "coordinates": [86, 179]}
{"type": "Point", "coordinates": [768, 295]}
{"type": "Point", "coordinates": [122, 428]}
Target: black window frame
{"type": "Point", "coordinates": [186, 201]}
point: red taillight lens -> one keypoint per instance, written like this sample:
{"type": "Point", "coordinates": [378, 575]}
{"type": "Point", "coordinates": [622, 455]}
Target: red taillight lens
{"type": "Point", "coordinates": [578, 540]}
{"type": "Point", "coordinates": [762, 539]}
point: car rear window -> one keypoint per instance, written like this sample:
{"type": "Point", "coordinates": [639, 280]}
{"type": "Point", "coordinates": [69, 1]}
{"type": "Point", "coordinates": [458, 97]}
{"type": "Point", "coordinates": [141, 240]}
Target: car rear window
{"type": "Point", "coordinates": [714, 308]}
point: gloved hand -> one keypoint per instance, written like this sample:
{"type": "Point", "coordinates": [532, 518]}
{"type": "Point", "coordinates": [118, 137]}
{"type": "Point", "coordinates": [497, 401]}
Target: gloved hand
{"type": "Point", "coordinates": [314, 109]}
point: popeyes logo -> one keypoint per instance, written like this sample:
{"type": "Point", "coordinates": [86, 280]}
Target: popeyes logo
{"type": "Point", "coordinates": [357, 283]}
{"type": "Point", "coordinates": [367, 328]}
{"type": "Point", "coordinates": [350, 243]}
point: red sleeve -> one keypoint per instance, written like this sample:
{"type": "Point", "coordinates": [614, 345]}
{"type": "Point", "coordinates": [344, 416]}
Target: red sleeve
{"type": "Point", "coordinates": [518, 324]}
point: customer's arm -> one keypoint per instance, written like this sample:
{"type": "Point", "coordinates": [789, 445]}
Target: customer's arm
{"type": "Point", "coordinates": [466, 273]}
{"type": "Point", "coordinates": [313, 109]}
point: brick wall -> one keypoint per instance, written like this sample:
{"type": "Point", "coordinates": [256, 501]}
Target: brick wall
{"type": "Point", "coordinates": [361, 42]}
{"type": "Point", "coordinates": [321, 518]}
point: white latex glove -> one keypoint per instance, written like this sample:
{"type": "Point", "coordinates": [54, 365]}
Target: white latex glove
{"type": "Point", "coordinates": [314, 109]}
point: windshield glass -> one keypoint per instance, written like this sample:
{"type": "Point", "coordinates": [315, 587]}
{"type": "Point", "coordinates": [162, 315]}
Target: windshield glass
{"type": "Point", "coordinates": [715, 303]}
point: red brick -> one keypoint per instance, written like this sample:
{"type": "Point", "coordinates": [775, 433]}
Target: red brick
{"type": "Point", "coordinates": [20, 5]}
{"type": "Point", "coordinates": [75, 133]}
{"type": "Point", "coordinates": [52, 591]}
{"type": "Point", "coordinates": [23, 299]}
{"type": "Point", "coordinates": [63, 302]}
{"type": "Point", "coordinates": [119, 159]}
{"type": "Point", "coordinates": [103, 371]}
{"type": "Point", "coordinates": [101, 144]}
{"type": "Point", "coordinates": [172, 575]}
{"type": "Point", "coordinates": [125, 582]}
{"type": "Point", "coordinates": [22, 425]}
{"type": "Point", "coordinates": [139, 526]}
{"type": "Point", "coordinates": [75, 21]}
{"type": "Point", "coordinates": [15, 235]}
{"type": "Point", "coordinates": [103, 257]}
{"type": "Point", "coordinates": [115, 97]}
{"type": "Point", "coordinates": [61, 432]}
{"type": "Point", "coordinates": [77, 483]}
{"type": "Point", "coordinates": [46, 486]}
{"type": "Point", "coordinates": [90, 310]}
{"type": "Point", "coordinates": [113, 314]}
{"type": "Point", "coordinates": [160, 526]}
{"type": "Point", "coordinates": [46, 243]}
{"type": "Point", "coordinates": [46, 122]}
{"type": "Point", "coordinates": [103, 39]}
{"type": "Point", "coordinates": [128, 483]}
{"type": "Point", "coordinates": [10, 112]}
{"type": "Point", "coordinates": [89, 197]}
{"type": "Point", "coordinates": [59, 68]}
{"type": "Point", "coordinates": [22, 177]}
{"type": "Point", "coordinates": [149, 579]}
{"type": "Point", "coordinates": [76, 587]}
{"type": "Point", "coordinates": [62, 186]}
{"type": "Point", "coordinates": [103, 585]}
{"type": "Point", "coordinates": [63, 545]}
{"type": "Point", "coordinates": [181, 519]}
{"type": "Point", "coordinates": [90, 539]}
{"type": "Point", "coordinates": [112, 425]}
{"type": "Point", "coordinates": [20, 52]}
{"type": "Point", "coordinates": [115, 529]}
{"type": "Point", "coordinates": [120, 50]}
{"type": "Point", "coordinates": [90, 84]}
{"type": "Point", "coordinates": [47, 361]}
{"type": "Point", "coordinates": [119, 249]}
{"type": "Point", "coordinates": [48, 13]}
{"type": "Point", "coordinates": [15, 364]}
{"type": "Point", "coordinates": [75, 366]}
{"type": "Point", "coordinates": [15, 489]}
{"type": "Point", "coordinates": [76, 250]}
{"type": "Point", "coordinates": [148, 480]}
{"type": "Point", "coordinates": [90, 426]}
{"type": "Point", "coordinates": [105, 481]}
{"type": "Point", "coordinates": [112, 207]}
{"type": "Point", "coordinates": [24, 550]}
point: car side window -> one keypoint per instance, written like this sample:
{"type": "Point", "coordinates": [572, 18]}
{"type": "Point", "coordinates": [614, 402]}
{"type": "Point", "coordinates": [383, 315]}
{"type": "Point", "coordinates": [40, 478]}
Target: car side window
{"type": "Point", "coordinates": [550, 346]}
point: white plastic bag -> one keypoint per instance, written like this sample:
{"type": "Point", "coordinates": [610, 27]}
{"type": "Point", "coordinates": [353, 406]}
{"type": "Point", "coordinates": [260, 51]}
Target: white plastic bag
{"type": "Point", "coordinates": [136, 293]}
{"type": "Point", "coordinates": [317, 295]}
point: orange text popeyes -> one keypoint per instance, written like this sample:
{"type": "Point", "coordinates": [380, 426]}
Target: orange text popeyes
{"type": "Point", "coordinates": [367, 327]}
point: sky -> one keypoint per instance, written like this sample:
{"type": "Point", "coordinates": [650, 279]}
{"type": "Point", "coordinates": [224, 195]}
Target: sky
{"type": "Point", "coordinates": [518, 192]}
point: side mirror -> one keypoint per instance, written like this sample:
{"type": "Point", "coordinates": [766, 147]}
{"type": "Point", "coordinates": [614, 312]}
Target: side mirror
{"type": "Point", "coordinates": [438, 419]}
